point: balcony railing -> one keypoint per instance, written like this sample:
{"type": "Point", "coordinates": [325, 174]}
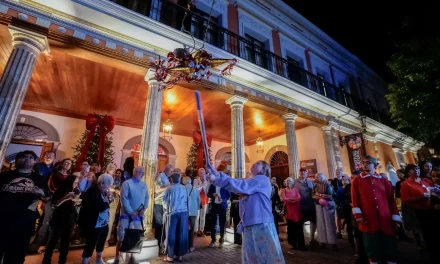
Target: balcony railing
{"type": "Point", "coordinates": [197, 23]}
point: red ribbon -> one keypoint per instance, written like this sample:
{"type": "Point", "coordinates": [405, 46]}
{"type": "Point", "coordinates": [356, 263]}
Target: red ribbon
{"type": "Point", "coordinates": [106, 124]}
{"type": "Point", "coordinates": [197, 137]}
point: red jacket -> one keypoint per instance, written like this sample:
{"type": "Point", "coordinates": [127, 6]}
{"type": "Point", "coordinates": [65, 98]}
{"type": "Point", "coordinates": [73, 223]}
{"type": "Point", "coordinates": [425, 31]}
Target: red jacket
{"type": "Point", "coordinates": [373, 200]}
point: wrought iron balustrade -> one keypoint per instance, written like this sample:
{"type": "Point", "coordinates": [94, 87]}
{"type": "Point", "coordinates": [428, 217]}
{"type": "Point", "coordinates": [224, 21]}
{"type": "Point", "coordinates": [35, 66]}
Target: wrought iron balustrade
{"type": "Point", "coordinates": [200, 26]}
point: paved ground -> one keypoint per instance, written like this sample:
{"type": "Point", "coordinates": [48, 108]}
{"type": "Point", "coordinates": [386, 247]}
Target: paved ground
{"type": "Point", "coordinates": [231, 254]}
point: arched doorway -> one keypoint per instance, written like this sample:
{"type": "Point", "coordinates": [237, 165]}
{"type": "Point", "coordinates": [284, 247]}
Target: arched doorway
{"type": "Point", "coordinates": [224, 156]}
{"type": "Point", "coordinates": [30, 133]}
{"type": "Point", "coordinates": [162, 156]}
{"type": "Point", "coordinates": [279, 165]}
{"type": "Point", "coordinates": [166, 152]}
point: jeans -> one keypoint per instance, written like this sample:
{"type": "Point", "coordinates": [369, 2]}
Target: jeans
{"type": "Point", "coordinates": [158, 222]}
{"type": "Point", "coordinates": [202, 217]}
{"type": "Point", "coordinates": [218, 210]}
{"type": "Point", "coordinates": [192, 221]}
{"type": "Point", "coordinates": [61, 233]}
{"type": "Point", "coordinates": [176, 234]}
{"type": "Point", "coordinates": [95, 239]}
{"type": "Point", "coordinates": [43, 233]}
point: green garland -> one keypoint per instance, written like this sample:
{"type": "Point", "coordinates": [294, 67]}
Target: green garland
{"type": "Point", "coordinates": [92, 154]}
{"type": "Point", "coordinates": [191, 158]}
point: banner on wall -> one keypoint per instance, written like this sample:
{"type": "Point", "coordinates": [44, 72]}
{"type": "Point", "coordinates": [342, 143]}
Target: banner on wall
{"type": "Point", "coordinates": [310, 166]}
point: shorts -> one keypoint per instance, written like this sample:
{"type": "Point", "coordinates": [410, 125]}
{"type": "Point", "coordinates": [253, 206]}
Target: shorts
{"type": "Point", "coordinates": [123, 224]}
{"type": "Point", "coordinates": [309, 215]}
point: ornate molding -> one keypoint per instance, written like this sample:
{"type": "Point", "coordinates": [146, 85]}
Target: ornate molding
{"type": "Point", "coordinates": [290, 117]}
{"type": "Point", "coordinates": [236, 100]}
{"type": "Point", "coordinates": [37, 43]}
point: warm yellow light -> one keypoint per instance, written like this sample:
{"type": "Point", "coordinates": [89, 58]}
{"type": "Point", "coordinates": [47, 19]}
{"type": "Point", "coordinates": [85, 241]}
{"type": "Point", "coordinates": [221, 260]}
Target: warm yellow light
{"type": "Point", "coordinates": [258, 120]}
{"type": "Point", "coordinates": [170, 97]}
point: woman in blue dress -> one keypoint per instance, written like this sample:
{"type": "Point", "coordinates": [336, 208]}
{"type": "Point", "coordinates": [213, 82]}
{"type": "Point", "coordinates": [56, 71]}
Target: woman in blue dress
{"type": "Point", "coordinates": [260, 243]}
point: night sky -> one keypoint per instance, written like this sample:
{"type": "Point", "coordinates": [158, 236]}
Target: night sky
{"type": "Point", "coordinates": [365, 28]}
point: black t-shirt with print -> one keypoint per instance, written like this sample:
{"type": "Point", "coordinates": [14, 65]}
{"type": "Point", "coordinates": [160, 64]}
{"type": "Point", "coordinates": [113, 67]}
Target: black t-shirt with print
{"type": "Point", "coordinates": [16, 196]}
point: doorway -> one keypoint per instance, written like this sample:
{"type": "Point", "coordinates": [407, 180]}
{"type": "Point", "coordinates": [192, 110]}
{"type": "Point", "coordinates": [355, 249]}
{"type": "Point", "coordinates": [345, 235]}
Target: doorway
{"type": "Point", "coordinates": [279, 165]}
{"type": "Point", "coordinates": [162, 157]}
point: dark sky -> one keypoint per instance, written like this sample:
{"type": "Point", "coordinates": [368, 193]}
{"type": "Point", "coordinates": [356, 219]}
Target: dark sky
{"type": "Point", "coordinates": [362, 27]}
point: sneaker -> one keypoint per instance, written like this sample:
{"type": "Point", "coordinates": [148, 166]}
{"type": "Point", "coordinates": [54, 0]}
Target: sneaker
{"type": "Point", "coordinates": [212, 245]}
{"type": "Point", "coordinates": [220, 244]}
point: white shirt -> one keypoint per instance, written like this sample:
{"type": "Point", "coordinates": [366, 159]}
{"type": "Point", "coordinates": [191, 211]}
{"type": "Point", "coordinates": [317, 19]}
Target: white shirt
{"type": "Point", "coordinates": [218, 199]}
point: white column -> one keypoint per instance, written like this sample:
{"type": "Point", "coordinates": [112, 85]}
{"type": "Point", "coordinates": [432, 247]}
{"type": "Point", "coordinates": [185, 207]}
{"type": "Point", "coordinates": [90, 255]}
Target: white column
{"type": "Point", "coordinates": [333, 154]}
{"type": "Point", "coordinates": [292, 146]}
{"type": "Point", "coordinates": [150, 141]}
{"type": "Point", "coordinates": [27, 46]}
{"type": "Point", "coordinates": [237, 149]}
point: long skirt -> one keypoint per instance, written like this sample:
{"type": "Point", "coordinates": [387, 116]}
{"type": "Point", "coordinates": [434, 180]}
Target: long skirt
{"type": "Point", "coordinates": [261, 245]}
{"type": "Point", "coordinates": [325, 221]}
{"type": "Point", "coordinates": [176, 234]}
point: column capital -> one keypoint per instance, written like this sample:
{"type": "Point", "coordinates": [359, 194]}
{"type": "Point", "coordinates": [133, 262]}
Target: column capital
{"type": "Point", "coordinates": [22, 38]}
{"type": "Point", "coordinates": [236, 100]}
{"type": "Point", "coordinates": [327, 128]}
{"type": "Point", "coordinates": [290, 117]}
{"type": "Point", "coordinates": [150, 76]}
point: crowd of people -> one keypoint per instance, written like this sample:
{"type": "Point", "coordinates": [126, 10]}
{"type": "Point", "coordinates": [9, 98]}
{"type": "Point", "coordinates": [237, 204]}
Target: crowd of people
{"type": "Point", "coordinates": [45, 203]}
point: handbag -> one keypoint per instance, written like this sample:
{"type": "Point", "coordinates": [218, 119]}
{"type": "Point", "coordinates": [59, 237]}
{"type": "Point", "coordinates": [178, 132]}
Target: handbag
{"type": "Point", "coordinates": [133, 239]}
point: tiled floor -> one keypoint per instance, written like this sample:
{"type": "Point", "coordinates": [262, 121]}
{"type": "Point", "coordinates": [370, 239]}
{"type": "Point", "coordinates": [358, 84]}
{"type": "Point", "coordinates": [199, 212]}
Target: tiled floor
{"type": "Point", "coordinates": [231, 254]}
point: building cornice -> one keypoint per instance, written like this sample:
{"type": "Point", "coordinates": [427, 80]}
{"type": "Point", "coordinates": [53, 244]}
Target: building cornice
{"type": "Point", "coordinates": [284, 92]}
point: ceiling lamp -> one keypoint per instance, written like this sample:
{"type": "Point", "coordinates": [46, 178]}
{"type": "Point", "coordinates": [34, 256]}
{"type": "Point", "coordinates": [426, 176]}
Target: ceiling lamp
{"type": "Point", "coordinates": [260, 143]}
{"type": "Point", "coordinates": [167, 127]}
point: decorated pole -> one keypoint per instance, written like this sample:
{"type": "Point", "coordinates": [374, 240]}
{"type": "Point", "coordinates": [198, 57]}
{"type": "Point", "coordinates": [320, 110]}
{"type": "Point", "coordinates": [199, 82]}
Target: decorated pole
{"type": "Point", "coordinates": [202, 126]}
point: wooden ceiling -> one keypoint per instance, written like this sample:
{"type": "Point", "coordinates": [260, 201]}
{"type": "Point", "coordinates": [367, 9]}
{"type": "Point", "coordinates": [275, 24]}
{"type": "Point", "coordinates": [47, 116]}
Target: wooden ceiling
{"type": "Point", "coordinates": [73, 82]}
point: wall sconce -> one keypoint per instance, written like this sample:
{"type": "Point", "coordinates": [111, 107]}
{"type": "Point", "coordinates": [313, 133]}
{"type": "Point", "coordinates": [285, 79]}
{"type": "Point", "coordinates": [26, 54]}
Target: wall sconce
{"type": "Point", "coordinates": [167, 127]}
{"type": "Point", "coordinates": [260, 143]}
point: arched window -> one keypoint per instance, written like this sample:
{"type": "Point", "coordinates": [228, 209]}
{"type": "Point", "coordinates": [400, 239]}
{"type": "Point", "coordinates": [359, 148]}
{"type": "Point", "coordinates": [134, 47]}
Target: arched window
{"type": "Point", "coordinates": [29, 132]}
{"type": "Point", "coordinates": [279, 158]}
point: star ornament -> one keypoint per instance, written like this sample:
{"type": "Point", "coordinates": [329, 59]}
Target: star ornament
{"type": "Point", "coordinates": [186, 66]}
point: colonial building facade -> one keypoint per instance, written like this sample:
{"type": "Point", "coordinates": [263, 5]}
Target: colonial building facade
{"type": "Point", "coordinates": [294, 88]}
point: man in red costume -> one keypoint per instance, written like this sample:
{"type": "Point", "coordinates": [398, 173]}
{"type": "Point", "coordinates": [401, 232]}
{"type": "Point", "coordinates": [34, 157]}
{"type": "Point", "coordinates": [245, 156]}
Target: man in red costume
{"type": "Point", "coordinates": [375, 211]}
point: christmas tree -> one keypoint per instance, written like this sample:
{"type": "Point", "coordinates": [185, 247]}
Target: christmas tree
{"type": "Point", "coordinates": [92, 154]}
{"type": "Point", "coordinates": [191, 158]}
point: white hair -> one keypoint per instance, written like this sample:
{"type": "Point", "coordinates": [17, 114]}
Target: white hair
{"type": "Point", "coordinates": [136, 169]}
{"type": "Point", "coordinates": [105, 179]}
{"type": "Point", "coordinates": [290, 181]}
{"type": "Point", "coordinates": [321, 177]}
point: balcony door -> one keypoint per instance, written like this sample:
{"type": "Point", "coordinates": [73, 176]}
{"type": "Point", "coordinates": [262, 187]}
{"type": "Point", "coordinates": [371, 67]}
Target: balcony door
{"type": "Point", "coordinates": [256, 52]}
{"type": "Point", "coordinates": [199, 23]}
{"type": "Point", "coordinates": [294, 70]}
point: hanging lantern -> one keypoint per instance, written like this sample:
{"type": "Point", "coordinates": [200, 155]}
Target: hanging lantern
{"type": "Point", "coordinates": [167, 127]}
{"type": "Point", "coordinates": [260, 143]}
{"type": "Point", "coordinates": [363, 123]}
